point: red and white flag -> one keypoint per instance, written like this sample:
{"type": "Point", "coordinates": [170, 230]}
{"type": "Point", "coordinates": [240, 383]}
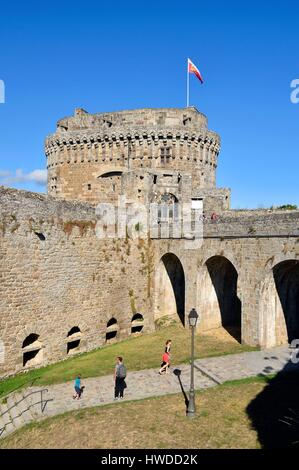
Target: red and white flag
{"type": "Point", "coordinates": [193, 69]}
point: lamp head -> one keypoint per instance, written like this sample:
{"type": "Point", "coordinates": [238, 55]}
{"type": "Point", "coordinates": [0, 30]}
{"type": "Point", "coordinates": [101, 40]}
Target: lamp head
{"type": "Point", "coordinates": [193, 317]}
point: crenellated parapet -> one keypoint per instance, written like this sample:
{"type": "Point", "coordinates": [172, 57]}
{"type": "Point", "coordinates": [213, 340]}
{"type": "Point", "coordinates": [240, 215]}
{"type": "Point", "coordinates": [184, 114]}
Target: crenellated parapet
{"type": "Point", "coordinates": [87, 146]}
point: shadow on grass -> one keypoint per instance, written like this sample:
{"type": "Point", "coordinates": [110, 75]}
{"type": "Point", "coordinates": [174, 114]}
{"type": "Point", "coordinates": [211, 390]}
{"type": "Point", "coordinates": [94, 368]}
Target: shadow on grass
{"type": "Point", "coordinates": [177, 373]}
{"type": "Point", "coordinates": [274, 413]}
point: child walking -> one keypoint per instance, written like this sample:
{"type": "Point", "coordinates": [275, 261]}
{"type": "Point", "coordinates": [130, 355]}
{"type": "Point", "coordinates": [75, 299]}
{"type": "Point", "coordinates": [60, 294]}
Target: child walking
{"type": "Point", "coordinates": [77, 386]}
{"type": "Point", "coordinates": [165, 358]}
{"type": "Point", "coordinates": [165, 363]}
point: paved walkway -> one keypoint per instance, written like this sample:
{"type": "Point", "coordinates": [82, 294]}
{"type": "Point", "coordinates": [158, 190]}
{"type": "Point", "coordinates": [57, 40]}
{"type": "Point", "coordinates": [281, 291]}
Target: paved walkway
{"type": "Point", "coordinates": [148, 383]}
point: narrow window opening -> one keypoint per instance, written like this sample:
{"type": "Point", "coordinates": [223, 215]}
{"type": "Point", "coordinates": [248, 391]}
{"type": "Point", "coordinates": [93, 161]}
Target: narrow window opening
{"type": "Point", "coordinates": [74, 340]}
{"type": "Point", "coordinates": [29, 340]}
{"type": "Point", "coordinates": [137, 323]}
{"type": "Point", "coordinates": [29, 357]}
{"type": "Point", "coordinates": [41, 236]}
{"type": "Point", "coordinates": [112, 329]}
{"type": "Point", "coordinates": [73, 345]}
{"type": "Point", "coordinates": [74, 330]}
{"type": "Point", "coordinates": [111, 335]}
{"type": "Point", "coordinates": [165, 155]}
{"type": "Point", "coordinates": [32, 351]}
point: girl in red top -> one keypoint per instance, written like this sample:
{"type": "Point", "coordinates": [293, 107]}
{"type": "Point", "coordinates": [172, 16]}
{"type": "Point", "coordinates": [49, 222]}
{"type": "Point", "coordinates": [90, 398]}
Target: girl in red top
{"type": "Point", "coordinates": [165, 358]}
{"type": "Point", "coordinates": [165, 364]}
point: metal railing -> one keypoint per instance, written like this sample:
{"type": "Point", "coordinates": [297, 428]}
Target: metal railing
{"type": "Point", "coordinates": [43, 402]}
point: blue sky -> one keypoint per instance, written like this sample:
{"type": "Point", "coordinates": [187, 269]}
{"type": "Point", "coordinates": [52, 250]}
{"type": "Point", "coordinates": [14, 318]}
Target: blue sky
{"type": "Point", "coordinates": [106, 56]}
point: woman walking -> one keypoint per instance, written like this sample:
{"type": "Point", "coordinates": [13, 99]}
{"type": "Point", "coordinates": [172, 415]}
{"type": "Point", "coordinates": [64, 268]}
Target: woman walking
{"type": "Point", "coordinates": [166, 358]}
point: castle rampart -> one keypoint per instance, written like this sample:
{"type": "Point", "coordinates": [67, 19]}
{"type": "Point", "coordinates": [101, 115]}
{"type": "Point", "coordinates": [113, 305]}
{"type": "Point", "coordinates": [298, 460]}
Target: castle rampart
{"type": "Point", "coordinates": [56, 275]}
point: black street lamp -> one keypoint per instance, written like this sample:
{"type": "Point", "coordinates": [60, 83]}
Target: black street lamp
{"type": "Point", "coordinates": [193, 317]}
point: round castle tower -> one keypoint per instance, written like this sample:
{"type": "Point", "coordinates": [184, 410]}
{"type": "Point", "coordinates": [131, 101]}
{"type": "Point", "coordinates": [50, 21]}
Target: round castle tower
{"type": "Point", "coordinates": [89, 153]}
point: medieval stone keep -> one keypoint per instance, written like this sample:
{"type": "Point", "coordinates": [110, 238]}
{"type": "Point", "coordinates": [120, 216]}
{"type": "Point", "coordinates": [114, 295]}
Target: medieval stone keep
{"type": "Point", "coordinates": [69, 282]}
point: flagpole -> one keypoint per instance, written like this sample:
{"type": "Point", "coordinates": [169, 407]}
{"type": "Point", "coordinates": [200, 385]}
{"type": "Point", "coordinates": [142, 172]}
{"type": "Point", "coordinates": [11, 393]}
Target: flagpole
{"type": "Point", "coordinates": [187, 83]}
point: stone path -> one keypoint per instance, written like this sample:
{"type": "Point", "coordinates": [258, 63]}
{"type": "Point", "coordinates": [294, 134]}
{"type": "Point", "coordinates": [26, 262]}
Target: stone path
{"type": "Point", "coordinates": [147, 383]}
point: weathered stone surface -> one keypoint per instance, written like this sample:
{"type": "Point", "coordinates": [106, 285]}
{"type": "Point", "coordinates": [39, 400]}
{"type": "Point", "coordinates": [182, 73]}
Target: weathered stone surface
{"type": "Point", "coordinates": [57, 275]}
{"type": "Point", "coordinates": [89, 153]}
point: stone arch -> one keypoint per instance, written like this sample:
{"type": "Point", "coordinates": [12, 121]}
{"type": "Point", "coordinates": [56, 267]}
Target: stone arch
{"type": "Point", "coordinates": [74, 336]}
{"type": "Point", "coordinates": [73, 330]}
{"type": "Point", "coordinates": [218, 300]}
{"type": "Point", "coordinates": [110, 174]}
{"type": "Point", "coordinates": [111, 180]}
{"type": "Point", "coordinates": [286, 277]}
{"type": "Point", "coordinates": [165, 197]}
{"type": "Point", "coordinates": [170, 288]}
{"type": "Point", "coordinates": [112, 328]}
{"type": "Point", "coordinates": [109, 184]}
{"type": "Point", "coordinates": [32, 350]}
{"type": "Point", "coordinates": [279, 305]}
{"type": "Point", "coordinates": [137, 323]}
{"type": "Point", "coordinates": [30, 339]}
{"type": "Point", "coordinates": [111, 169]}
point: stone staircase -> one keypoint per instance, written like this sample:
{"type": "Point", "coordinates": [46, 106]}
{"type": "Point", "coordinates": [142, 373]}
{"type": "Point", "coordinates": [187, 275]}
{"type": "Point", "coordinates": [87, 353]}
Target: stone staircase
{"type": "Point", "coordinates": [20, 408]}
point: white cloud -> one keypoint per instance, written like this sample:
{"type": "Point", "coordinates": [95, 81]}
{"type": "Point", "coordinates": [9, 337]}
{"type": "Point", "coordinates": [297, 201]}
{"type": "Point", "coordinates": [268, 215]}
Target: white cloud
{"type": "Point", "coordinates": [4, 174]}
{"type": "Point", "coordinates": [38, 177]}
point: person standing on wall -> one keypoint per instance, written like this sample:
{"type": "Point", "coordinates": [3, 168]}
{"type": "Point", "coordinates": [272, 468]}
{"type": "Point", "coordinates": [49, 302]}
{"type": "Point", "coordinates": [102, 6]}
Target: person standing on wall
{"type": "Point", "coordinates": [120, 374]}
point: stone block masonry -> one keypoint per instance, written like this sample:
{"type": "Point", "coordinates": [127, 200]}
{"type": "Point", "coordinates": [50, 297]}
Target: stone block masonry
{"type": "Point", "coordinates": [88, 153]}
{"type": "Point", "coordinates": [56, 275]}
{"type": "Point", "coordinates": [63, 290]}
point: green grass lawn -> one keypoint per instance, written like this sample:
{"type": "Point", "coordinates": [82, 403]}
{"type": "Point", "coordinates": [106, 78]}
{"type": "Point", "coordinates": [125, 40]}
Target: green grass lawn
{"type": "Point", "coordinates": [160, 422]}
{"type": "Point", "coordinates": [139, 352]}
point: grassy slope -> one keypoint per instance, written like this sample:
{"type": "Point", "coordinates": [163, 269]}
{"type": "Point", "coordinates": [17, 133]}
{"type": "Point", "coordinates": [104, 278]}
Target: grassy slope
{"type": "Point", "coordinates": [141, 352]}
{"type": "Point", "coordinates": [152, 423]}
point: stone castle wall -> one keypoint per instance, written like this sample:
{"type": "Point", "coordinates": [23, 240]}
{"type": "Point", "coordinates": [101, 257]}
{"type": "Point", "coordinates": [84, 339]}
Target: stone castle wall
{"type": "Point", "coordinates": [68, 279]}
{"type": "Point", "coordinates": [65, 290]}
{"type": "Point", "coordinates": [73, 279]}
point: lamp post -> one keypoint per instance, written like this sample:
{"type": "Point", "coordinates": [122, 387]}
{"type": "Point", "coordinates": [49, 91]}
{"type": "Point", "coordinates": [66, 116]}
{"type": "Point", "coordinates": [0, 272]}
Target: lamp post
{"type": "Point", "coordinates": [192, 317]}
